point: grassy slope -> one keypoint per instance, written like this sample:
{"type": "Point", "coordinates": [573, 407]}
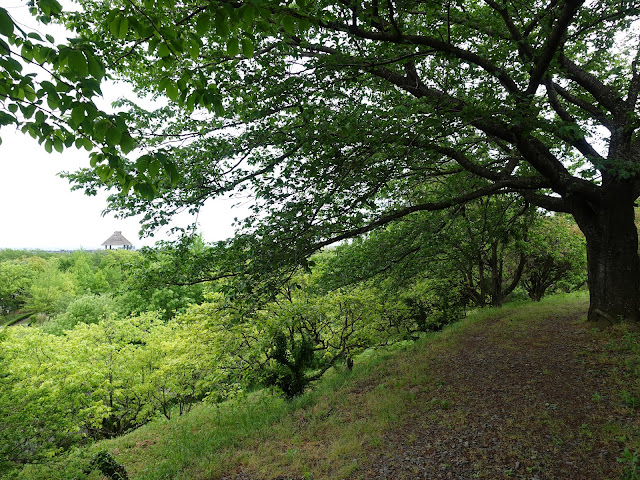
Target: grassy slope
{"type": "Point", "coordinates": [334, 431]}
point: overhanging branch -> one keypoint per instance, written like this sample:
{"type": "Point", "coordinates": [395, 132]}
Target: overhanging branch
{"type": "Point", "coordinates": [423, 207]}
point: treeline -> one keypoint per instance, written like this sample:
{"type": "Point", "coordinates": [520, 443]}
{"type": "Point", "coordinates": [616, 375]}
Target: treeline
{"type": "Point", "coordinates": [72, 287]}
{"type": "Point", "coordinates": [110, 346]}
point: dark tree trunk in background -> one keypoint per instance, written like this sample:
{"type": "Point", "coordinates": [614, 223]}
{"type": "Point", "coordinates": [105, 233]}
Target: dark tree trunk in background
{"type": "Point", "coordinates": [612, 255]}
{"type": "Point", "coordinates": [495, 265]}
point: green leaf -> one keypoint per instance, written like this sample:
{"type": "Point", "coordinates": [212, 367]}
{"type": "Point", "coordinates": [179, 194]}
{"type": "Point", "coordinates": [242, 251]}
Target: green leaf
{"type": "Point", "coordinates": [154, 168]}
{"type": "Point", "coordinates": [77, 114]}
{"type": "Point", "coordinates": [288, 24]}
{"type": "Point", "coordinates": [142, 163]}
{"type": "Point", "coordinates": [249, 14]}
{"type": "Point", "coordinates": [247, 47]}
{"type": "Point", "coordinates": [163, 83]}
{"type": "Point", "coordinates": [53, 103]}
{"type": "Point", "coordinates": [217, 106]}
{"type": "Point", "coordinates": [146, 190]}
{"type": "Point", "coordinates": [104, 172]}
{"type": "Point", "coordinates": [194, 49]}
{"type": "Point", "coordinates": [113, 136]}
{"type": "Point", "coordinates": [50, 7]}
{"type": "Point", "coordinates": [78, 63]}
{"type": "Point", "coordinates": [202, 24]}
{"type": "Point", "coordinates": [304, 24]}
{"type": "Point", "coordinates": [100, 129]}
{"type": "Point", "coordinates": [27, 52]}
{"type": "Point", "coordinates": [114, 26]}
{"type": "Point", "coordinates": [232, 46]}
{"type": "Point", "coordinates": [123, 29]}
{"type": "Point", "coordinates": [40, 54]}
{"type": "Point", "coordinates": [174, 176]}
{"type": "Point", "coordinates": [95, 67]}
{"type": "Point", "coordinates": [6, 24]}
{"type": "Point", "coordinates": [172, 91]}
{"type": "Point", "coordinates": [222, 25]}
{"type": "Point", "coordinates": [6, 119]}
{"type": "Point", "coordinates": [127, 143]}
{"type": "Point", "coordinates": [28, 110]}
{"type": "Point", "coordinates": [163, 50]}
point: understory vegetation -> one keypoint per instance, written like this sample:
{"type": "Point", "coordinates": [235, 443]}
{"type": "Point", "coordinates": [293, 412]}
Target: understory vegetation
{"type": "Point", "coordinates": [103, 347]}
{"type": "Point", "coordinates": [334, 430]}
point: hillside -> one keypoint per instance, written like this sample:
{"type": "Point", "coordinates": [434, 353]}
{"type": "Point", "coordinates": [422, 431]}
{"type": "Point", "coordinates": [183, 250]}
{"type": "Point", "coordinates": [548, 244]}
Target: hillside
{"type": "Point", "coordinates": [528, 391]}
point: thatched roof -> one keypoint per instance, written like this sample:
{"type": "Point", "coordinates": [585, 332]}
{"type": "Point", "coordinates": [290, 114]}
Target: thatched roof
{"type": "Point", "coordinates": [117, 240]}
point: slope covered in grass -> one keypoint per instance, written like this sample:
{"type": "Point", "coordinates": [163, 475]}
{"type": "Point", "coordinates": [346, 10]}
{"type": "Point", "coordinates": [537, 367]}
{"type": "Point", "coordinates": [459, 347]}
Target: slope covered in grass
{"type": "Point", "coordinates": [526, 391]}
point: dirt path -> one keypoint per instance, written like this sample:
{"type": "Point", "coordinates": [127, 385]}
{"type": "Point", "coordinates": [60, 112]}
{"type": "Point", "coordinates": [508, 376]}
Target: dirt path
{"type": "Point", "coordinates": [527, 402]}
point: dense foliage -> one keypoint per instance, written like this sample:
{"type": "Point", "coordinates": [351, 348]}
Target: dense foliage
{"type": "Point", "coordinates": [341, 117]}
{"type": "Point", "coordinates": [109, 347]}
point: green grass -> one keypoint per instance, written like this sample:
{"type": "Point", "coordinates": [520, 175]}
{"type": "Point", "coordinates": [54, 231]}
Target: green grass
{"type": "Point", "coordinates": [325, 433]}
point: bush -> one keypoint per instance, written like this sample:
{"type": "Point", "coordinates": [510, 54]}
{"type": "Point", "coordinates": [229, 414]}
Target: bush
{"type": "Point", "coordinates": [85, 309]}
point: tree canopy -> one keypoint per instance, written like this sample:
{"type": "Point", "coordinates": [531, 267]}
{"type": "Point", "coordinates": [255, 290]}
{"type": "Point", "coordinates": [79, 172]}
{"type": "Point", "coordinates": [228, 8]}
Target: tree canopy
{"type": "Point", "coordinates": [338, 118]}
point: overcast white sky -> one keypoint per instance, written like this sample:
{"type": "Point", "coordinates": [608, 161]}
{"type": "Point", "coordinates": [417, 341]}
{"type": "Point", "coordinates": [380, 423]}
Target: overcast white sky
{"type": "Point", "coordinates": [38, 209]}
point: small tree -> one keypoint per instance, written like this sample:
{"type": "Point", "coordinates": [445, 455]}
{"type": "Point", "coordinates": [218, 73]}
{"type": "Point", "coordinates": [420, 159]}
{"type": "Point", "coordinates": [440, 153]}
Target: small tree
{"type": "Point", "coordinates": [555, 257]}
{"type": "Point", "coordinates": [15, 280]}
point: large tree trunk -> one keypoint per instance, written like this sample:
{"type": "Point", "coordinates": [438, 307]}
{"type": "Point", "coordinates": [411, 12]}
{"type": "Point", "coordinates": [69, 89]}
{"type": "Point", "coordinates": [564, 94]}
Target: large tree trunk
{"type": "Point", "coordinates": [612, 257]}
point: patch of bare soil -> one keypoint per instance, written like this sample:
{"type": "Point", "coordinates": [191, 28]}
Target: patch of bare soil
{"type": "Point", "coordinates": [527, 403]}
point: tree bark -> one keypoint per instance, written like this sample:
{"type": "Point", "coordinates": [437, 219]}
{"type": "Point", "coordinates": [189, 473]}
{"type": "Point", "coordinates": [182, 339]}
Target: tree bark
{"type": "Point", "coordinates": [612, 256]}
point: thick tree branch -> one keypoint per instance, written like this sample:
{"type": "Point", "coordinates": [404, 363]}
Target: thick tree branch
{"type": "Point", "coordinates": [512, 181]}
{"type": "Point", "coordinates": [553, 44]}
{"type": "Point", "coordinates": [423, 207]}
{"type": "Point", "coordinates": [587, 107]}
{"type": "Point", "coordinates": [579, 143]}
{"type": "Point", "coordinates": [634, 87]}
{"type": "Point", "coordinates": [431, 42]}
{"type": "Point", "coordinates": [533, 150]}
{"type": "Point", "coordinates": [552, 204]}
{"type": "Point", "coordinates": [604, 94]}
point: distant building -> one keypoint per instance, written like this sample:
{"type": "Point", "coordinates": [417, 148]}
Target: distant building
{"type": "Point", "coordinates": [117, 240]}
